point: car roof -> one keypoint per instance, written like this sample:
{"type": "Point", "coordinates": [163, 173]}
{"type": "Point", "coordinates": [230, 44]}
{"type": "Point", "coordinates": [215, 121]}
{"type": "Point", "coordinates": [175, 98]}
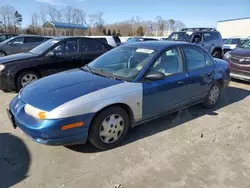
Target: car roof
{"type": "Point", "coordinates": [158, 45]}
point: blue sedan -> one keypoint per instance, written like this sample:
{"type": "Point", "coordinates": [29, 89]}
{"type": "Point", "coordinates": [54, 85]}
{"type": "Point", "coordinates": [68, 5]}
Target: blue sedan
{"type": "Point", "coordinates": [125, 87]}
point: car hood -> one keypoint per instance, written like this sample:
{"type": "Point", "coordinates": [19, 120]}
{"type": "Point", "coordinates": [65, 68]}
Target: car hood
{"type": "Point", "coordinates": [15, 57]}
{"type": "Point", "coordinates": [53, 91]}
{"type": "Point", "coordinates": [240, 52]}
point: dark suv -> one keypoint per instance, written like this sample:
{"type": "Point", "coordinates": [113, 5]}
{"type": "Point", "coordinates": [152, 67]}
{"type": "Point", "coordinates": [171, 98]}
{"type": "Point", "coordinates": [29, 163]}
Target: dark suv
{"type": "Point", "coordinates": [208, 38]}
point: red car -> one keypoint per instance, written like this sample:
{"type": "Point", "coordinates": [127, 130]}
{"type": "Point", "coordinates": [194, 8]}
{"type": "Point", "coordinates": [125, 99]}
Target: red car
{"type": "Point", "coordinates": [239, 62]}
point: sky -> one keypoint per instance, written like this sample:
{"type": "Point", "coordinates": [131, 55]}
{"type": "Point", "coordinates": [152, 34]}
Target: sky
{"type": "Point", "coordinates": [194, 13]}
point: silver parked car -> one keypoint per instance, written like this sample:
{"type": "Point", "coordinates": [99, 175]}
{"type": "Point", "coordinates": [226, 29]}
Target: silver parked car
{"type": "Point", "coordinates": [21, 43]}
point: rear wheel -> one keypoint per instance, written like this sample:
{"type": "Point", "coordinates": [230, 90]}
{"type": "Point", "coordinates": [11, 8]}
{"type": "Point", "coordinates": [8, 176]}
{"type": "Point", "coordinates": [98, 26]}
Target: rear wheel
{"type": "Point", "coordinates": [109, 128]}
{"type": "Point", "coordinates": [26, 78]}
{"type": "Point", "coordinates": [213, 97]}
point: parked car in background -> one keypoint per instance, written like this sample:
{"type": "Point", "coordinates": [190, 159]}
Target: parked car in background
{"type": "Point", "coordinates": [21, 43]}
{"type": "Point", "coordinates": [208, 38]}
{"type": "Point", "coordinates": [111, 40]}
{"type": "Point", "coordinates": [5, 36]}
{"type": "Point", "coordinates": [239, 61]}
{"type": "Point", "coordinates": [232, 43]}
{"type": "Point", "coordinates": [54, 55]}
{"type": "Point", "coordinates": [224, 39]}
{"type": "Point", "coordinates": [140, 39]}
{"type": "Point", "coordinates": [125, 87]}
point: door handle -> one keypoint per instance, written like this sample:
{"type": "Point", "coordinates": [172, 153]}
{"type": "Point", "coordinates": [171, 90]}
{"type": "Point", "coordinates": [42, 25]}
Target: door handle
{"type": "Point", "coordinates": [180, 83]}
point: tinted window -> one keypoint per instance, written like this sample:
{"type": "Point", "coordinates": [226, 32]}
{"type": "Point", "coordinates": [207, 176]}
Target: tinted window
{"type": "Point", "coordinates": [18, 40]}
{"type": "Point", "coordinates": [33, 39]}
{"type": "Point", "coordinates": [169, 63]}
{"type": "Point", "coordinates": [93, 45]}
{"type": "Point", "coordinates": [182, 36]}
{"type": "Point", "coordinates": [194, 58]}
{"type": "Point", "coordinates": [103, 40]}
{"type": "Point", "coordinates": [68, 47]}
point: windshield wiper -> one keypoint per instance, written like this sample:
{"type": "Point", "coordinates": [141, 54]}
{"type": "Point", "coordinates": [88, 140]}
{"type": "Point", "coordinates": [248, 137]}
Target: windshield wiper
{"type": "Point", "coordinates": [87, 68]}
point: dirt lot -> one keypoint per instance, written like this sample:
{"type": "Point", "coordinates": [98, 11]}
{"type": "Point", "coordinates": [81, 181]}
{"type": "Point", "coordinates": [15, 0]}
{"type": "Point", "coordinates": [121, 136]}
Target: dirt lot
{"type": "Point", "coordinates": [198, 149]}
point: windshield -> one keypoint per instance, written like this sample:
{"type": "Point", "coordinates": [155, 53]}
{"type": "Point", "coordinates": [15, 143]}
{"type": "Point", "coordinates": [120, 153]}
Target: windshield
{"type": "Point", "coordinates": [180, 36]}
{"type": "Point", "coordinates": [233, 41]}
{"type": "Point", "coordinates": [123, 62]}
{"type": "Point", "coordinates": [246, 44]}
{"type": "Point", "coordinates": [44, 46]}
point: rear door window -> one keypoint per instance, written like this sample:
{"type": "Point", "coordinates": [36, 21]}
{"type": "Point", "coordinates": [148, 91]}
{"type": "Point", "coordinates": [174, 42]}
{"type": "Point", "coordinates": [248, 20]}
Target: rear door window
{"type": "Point", "coordinates": [33, 39]}
{"type": "Point", "coordinates": [92, 45]}
{"type": "Point", "coordinates": [194, 58]}
{"type": "Point", "coordinates": [103, 40]}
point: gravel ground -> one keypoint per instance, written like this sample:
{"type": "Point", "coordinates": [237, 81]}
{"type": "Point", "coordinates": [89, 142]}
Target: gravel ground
{"type": "Point", "coordinates": [195, 149]}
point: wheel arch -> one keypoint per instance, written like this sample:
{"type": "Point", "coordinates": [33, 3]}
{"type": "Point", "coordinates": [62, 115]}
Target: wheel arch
{"type": "Point", "coordinates": [217, 49]}
{"type": "Point", "coordinates": [124, 106]}
{"type": "Point", "coordinates": [3, 52]}
{"type": "Point", "coordinates": [26, 69]}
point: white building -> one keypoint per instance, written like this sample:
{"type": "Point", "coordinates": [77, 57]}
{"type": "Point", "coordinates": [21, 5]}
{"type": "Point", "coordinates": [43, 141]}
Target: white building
{"type": "Point", "coordinates": [235, 27]}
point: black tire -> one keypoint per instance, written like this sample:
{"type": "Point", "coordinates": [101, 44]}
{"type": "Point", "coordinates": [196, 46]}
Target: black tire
{"type": "Point", "coordinates": [21, 76]}
{"type": "Point", "coordinates": [217, 54]}
{"type": "Point", "coordinates": [94, 132]}
{"type": "Point", "coordinates": [2, 53]}
{"type": "Point", "coordinates": [207, 102]}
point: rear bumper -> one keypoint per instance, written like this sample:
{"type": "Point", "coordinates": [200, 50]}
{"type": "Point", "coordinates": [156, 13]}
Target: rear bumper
{"type": "Point", "coordinates": [50, 131]}
{"type": "Point", "coordinates": [240, 76]}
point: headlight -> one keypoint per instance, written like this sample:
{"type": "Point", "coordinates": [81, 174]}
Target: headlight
{"type": "Point", "coordinates": [1, 67]}
{"type": "Point", "coordinates": [227, 55]}
{"type": "Point", "coordinates": [34, 112]}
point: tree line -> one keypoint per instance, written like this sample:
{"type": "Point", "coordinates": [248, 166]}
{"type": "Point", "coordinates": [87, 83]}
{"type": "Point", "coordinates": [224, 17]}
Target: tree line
{"type": "Point", "coordinates": [11, 21]}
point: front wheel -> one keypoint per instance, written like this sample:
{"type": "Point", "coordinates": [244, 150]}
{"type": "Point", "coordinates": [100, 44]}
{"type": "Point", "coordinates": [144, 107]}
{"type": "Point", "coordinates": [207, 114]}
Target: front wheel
{"type": "Point", "coordinates": [109, 128]}
{"type": "Point", "coordinates": [26, 78]}
{"type": "Point", "coordinates": [213, 97]}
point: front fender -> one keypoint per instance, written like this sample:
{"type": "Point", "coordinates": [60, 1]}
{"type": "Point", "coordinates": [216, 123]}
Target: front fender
{"type": "Point", "coordinates": [124, 93]}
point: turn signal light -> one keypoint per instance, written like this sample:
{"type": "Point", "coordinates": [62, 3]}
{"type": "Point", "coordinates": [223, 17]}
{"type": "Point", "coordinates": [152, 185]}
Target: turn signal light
{"type": "Point", "coordinates": [42, 115]}
{"type": "Point", "coordinates": [70, 126]}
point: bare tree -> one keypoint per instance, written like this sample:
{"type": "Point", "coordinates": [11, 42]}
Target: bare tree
{"type": "Point", "coordinates": [52, 12]}
{"type": "Point", "coordinates": [7, 16]}
{"type": "Point", "coordinates": [91, 20]}
{"type": "Point", "coordinates": [161, 25]}
{"type": "Point", "coordinates": [99, 21]}
{"type": "Point", "coordinates": [79, 16]}
{"type": "Point", "coordinates": [43, 14]}
{"type": "Point", "coordinates": [59, 16]}
{"type": "Point", "coordinates": [68, 14]}
{"type": "Point", "coordinates": [34, 21]}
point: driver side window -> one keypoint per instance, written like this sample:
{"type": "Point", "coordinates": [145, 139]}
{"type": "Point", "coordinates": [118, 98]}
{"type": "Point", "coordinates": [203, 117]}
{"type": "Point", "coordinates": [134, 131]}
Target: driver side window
{"type": "Point", "coordinates": [169, 63]}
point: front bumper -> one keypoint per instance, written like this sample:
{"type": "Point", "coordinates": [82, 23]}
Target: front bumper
{"type": "Point", "coordinates": [7, 81]}
{"type": "Point", "coordinates": [49, 131]}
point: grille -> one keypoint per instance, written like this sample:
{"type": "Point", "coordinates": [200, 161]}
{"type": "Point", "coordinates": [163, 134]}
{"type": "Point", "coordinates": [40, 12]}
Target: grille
{"type": "Point", "coordinates": [240, 60]}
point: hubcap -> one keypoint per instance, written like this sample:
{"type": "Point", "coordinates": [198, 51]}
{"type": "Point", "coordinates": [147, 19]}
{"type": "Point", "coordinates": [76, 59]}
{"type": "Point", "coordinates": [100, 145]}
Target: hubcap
{"type": "Point", "coordinates": [111, 128]}
{"type": "Point", "coordinates": [214, 95]}
{"type": "Point", "coordinates": [28, 78]}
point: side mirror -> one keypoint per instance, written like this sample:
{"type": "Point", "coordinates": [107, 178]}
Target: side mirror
{"type": "Point", "coordinates": [155, 76]}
